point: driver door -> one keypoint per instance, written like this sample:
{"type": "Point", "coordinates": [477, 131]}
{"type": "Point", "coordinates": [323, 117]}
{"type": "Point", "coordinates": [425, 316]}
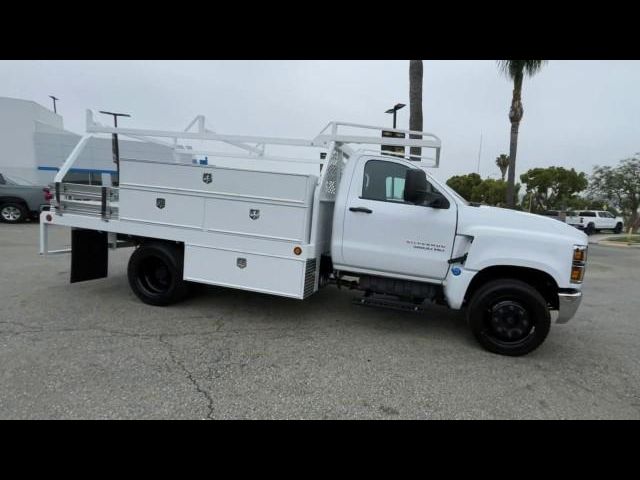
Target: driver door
{"type": "Point", "coordinates": [385, 234]}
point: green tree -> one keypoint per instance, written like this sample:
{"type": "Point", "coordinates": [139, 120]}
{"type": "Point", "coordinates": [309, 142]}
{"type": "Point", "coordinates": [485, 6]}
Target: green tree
{"type": "Point", "coordinates": [552, 188]}
{"type": "Point", "coordinates": [619, 185]}
{"type": "Point", "coordinates": [415, 101]}
{"type": "Point", "coordinates": [503, 164]}
{"type": "Point", "coordinates": [491, 192]}
{"type": "Point", "coordinates": [516, 71]}
{"type": "Point", "coordinates": [474, 189]}
{"type": "Point", "coordinates": [464, 184]}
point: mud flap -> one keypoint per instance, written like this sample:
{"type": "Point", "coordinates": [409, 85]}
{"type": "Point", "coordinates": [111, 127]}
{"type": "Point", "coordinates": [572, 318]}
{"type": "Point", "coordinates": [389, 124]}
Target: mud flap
{"type": "Point", "coordinates": [89, 255]}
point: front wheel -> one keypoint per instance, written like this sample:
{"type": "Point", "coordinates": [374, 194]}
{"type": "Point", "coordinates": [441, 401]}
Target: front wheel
{"type": "Point", "coordinates": [509, 317]}
{"type": "Point", "coordinates": [618, 228]}
{"type": "Point", "coordinates": [155, 273]}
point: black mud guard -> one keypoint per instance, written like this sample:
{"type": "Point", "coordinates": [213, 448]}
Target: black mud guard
{"type": "Point", "coordinates": [89, 255]}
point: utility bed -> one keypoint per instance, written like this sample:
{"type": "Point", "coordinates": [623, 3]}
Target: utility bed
{"type": "Point", "coordinates": [250, 227]}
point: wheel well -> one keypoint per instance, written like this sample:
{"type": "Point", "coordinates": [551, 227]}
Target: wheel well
{"type": "Point", "coordinates": [541, 281]}
{"type": "Point", "coordinates": [13, 200]}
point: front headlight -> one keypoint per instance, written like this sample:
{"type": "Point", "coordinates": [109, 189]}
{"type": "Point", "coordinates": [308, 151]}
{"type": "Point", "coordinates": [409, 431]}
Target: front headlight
{"type": "Point", "coordinates": [579, 263]}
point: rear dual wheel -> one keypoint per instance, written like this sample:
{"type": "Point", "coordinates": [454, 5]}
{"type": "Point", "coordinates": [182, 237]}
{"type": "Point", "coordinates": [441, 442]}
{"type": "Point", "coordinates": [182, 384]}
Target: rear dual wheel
{"type": "Point", "coordinates": [509, 317]}
{"type": "Point", "coordinates": [155, 273]}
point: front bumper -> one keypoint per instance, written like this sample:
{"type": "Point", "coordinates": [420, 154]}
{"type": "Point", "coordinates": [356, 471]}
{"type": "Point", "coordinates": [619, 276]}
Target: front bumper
{"type": "Point", "coordinates": [568, 305]}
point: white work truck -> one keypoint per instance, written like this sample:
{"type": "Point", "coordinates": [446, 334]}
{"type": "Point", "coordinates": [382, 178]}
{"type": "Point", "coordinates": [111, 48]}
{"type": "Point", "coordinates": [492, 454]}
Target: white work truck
{"type": "Point", "coordinates": [362, 219]}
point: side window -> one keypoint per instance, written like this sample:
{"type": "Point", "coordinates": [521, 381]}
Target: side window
{"type": "Point", "coordinates": [384, 181]}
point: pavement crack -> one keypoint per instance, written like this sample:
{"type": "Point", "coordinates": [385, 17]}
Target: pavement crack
{"type": "Point", "coordinates": [107, 332]}
{"type": "Point", "coordinates": [189, 375]}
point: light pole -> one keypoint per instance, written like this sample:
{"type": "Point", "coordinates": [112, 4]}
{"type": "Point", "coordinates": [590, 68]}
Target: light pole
{"type": "Point", "coordinates": [114, 139]}
{"type": "Point", "coordinates": [54, 103]}
{"type": "Point", "coordinates": [393, 110]}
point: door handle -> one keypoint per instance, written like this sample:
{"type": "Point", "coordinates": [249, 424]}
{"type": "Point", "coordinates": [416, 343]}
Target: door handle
{"type": "Point", "coordinates": [360, 209]}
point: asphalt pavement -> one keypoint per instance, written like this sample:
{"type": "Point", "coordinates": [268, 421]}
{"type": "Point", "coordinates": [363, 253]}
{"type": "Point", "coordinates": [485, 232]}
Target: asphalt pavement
{"type": "Point", "coordinates": [92, 350]}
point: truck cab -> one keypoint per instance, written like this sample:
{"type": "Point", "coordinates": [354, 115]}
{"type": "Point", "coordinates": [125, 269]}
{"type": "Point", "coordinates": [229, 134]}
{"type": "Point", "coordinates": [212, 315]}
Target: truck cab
{"type": "Point", "coordinates": [396, 224]}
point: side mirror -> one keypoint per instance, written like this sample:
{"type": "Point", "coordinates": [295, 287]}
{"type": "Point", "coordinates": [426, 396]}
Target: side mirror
{"type": "Point", "coordinates": [415, 186]}
{"type": "Point", "coordinates": [439, 202]}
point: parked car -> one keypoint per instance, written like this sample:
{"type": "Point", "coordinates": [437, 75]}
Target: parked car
{"type": "Point", "coordinates": [21, 199]}
{"type": "Point", "coordinates": [592, 221]}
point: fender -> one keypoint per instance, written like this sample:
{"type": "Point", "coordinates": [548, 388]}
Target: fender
{"type": "Point", "coordinates": [510, 247]}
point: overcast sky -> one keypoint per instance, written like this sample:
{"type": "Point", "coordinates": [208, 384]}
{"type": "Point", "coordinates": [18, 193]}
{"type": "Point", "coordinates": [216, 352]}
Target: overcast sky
{"type": "Point", "coordinates": [576, 113]}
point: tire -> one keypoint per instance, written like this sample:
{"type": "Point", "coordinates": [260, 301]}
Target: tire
{"type": "Point", "coordinates": [590, 230]}
{"type": "Point", "coordinates": [618, 228]}
{"type": "Point", "coordinates": [13, 212]}
{"type": "Point", "coordinates": [155, 273]}
{"type": "Point", "coordinates": [509, 317]}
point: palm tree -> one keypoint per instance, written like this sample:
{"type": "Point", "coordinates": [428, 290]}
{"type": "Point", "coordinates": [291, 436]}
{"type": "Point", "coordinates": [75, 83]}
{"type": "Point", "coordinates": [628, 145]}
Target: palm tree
{"type": "Point", "coordinates": [516, 70]}
{"type": "Point", "coordinates": [415, 102]}
{"type": "Point", "coordinates": [503, 164]}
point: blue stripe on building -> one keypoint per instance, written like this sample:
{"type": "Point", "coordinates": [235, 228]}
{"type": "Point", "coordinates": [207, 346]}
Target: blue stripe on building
{"type": "Point", "coordinates": [79, 170]}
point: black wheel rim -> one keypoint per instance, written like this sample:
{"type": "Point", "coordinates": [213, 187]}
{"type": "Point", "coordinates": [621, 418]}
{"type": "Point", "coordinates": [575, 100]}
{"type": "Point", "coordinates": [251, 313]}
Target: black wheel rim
{"type": "Point", "coordinates": [155, 276]}
{"type": "Point", "coordinates": [508, 322]}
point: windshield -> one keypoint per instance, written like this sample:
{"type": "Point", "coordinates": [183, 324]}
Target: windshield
{"type": "Point", "coordinates": [13, 180]}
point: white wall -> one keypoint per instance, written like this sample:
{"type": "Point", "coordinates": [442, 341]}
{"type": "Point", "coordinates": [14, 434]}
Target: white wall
{"type": "Point", "coordinates": [33, 144]}
{"type": "Point", "coordinates": [17, 127]}
{"type": "Point", "coordinates": [53, 147]}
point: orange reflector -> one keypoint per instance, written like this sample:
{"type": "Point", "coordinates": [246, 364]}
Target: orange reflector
{"type": "Point", "coordinates": [577, 273]}
{"type": "Point", "coordinates": [580, 255]}
{"type": "Point", "coordinates": [297, 250]}
{"type": "Point", "coordinates": [49, 218]}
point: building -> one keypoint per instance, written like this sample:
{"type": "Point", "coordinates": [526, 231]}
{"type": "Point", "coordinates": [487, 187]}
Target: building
{"type": "Point", "coordinates": [35, 145]}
